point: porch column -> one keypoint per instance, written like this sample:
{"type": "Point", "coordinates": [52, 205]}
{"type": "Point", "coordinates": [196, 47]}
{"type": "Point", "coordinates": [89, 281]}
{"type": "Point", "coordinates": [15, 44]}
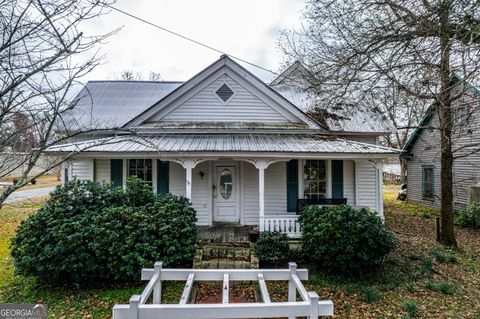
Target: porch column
{"type": "Point", "coordinates": [261, 165]}
{"type": "Point", "coordinates": [189, 165]}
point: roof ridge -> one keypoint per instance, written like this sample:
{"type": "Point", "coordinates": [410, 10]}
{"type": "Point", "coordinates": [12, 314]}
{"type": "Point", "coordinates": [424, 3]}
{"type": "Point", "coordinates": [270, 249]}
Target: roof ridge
{"type": "Point", "coordinates": [134, 81]}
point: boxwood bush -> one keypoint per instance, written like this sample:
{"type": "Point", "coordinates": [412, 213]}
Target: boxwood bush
{"type": "Point", "coordinates": [469, 217]}
{"type": "Point", "coordinates": [344, 240]}
{"type": "Point", "coordinates": [272, 247]}
{"type": "Point", "coordinates": [88, 231]}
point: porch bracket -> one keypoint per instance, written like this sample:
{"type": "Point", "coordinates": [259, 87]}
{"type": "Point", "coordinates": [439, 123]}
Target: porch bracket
{"type": "Point", "coordinates": [189, 164]}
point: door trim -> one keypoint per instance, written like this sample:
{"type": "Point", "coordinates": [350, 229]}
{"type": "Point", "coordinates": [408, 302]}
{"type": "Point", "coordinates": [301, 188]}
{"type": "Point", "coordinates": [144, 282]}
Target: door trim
{"type": "Point", "coordinates": [237, 191]}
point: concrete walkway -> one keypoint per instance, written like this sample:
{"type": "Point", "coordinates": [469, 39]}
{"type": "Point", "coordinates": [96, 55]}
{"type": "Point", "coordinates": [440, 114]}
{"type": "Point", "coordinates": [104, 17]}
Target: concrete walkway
{"type": "Point", "coordinates": [28, 194]}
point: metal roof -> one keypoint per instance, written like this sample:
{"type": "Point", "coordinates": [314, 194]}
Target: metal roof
{"type": "Point", "coordinates": [360, 118]}
{"type": "Point", "coordinates": [224, 143]}
{"type": "Point", "coordinates": [111, 104]}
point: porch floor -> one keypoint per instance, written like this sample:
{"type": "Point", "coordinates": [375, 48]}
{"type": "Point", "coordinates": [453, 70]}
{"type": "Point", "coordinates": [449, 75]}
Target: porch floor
{"type": "Point", "coordinates": [222, 233]}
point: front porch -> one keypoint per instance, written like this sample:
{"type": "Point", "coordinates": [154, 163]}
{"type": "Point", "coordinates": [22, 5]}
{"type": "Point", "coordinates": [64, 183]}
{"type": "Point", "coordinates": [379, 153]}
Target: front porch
{"type": "Point", "coordinates": [239, 178]}
{"type": "Point", "coordinates": [247, 191]}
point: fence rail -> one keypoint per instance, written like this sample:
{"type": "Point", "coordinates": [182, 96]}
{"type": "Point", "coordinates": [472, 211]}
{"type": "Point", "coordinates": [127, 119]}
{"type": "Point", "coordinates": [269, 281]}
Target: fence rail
{"type": "Point", "coordinates": [310, 306]}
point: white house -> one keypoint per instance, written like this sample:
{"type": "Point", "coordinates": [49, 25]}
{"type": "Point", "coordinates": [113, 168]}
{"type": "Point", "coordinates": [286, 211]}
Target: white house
{"type": "Point", "coordinates": [243, 151]}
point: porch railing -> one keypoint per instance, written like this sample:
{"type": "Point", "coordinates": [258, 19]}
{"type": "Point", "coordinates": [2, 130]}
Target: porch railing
{"type": "Point", "coordinates": [287, 224]}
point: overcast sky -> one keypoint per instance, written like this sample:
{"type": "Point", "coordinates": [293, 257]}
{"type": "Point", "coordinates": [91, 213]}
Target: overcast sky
{"type": "Point", "coordinates": [249, 29]}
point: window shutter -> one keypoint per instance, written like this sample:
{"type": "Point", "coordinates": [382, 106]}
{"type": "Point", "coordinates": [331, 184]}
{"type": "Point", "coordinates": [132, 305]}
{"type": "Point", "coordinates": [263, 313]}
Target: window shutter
{"type": "Point", "coordinates": [337, 179]}
{"type": "Point", "coordinates": [162, 177]}
{"type": "Point", "coordinates": [292, 185]}
{"type": "Point", "coordinates": [116, 172]}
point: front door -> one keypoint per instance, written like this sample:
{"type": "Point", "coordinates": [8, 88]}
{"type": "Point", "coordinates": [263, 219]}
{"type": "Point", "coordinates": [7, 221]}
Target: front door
{"type": "Point", "coordinates": [226, 208]}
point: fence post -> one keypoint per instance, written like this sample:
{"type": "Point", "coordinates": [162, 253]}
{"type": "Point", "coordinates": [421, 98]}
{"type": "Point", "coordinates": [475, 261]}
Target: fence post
{"type": "Point", "coordinates": [292, 290]}
{"type": "Point", "coordinates": [133, 309]}
{"type": "Point", "coordinates": [313, 305]}
{"type": "Point", "coordinates": [157, 288]}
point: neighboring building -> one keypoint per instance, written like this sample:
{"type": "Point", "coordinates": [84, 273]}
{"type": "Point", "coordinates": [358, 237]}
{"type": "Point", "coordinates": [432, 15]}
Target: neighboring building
{"type": "Point", "coordinates": [422, 152]}
{"type": "Point", "coordinates": [392, 173]}
{"type": "Point", "coordinates": [240, 149]}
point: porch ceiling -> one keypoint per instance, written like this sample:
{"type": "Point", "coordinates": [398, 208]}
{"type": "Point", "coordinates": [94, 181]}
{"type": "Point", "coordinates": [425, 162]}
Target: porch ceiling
{"type": "Point", "coordinates": [223, 143]}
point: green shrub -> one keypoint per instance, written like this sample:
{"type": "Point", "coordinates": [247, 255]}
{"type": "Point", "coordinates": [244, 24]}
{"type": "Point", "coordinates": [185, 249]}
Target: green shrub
{"type": "Point", "coordinates": [469, 217]}
{"type": "Point", "coordinates": [367, 294]}
{"type": "Point", "coordinates": [88, 231]}
{"type": "Point", "coordinates": [272, 247]}
{"type": "Point", "coordinates": [411, 308]}
{"type": "Point", "coordinates": [444, 287]}
{"type": "Point", "coordinates": [345, 240]}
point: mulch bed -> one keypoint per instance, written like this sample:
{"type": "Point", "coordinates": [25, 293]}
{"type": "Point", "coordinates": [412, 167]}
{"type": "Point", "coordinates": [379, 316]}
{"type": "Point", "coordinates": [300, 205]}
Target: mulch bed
{"type": "Point", "coordinates": [211, 292]}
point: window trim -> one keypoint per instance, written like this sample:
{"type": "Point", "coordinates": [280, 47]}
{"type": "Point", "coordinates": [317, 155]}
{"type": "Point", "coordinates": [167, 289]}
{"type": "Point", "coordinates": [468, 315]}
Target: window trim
{"type": "Point", "coordinates": [327, 193]}
{"type": "Point", "coordinates": [150, 183]}
{"type": "Point", "coordinates": [217, 87]}
{"type": "Point", "coordinates": [425, 167]}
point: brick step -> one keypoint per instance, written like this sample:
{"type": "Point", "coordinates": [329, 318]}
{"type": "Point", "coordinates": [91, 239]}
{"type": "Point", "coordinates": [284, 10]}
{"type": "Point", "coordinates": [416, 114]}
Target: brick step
{"type": "Point", "coordinates": [225, 256]}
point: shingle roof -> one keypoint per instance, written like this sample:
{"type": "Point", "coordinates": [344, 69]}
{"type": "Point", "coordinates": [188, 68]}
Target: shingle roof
{"type": "Point", "coordinates": [109, 104]}
{"type": "Point", "coordinates": [224, 143]}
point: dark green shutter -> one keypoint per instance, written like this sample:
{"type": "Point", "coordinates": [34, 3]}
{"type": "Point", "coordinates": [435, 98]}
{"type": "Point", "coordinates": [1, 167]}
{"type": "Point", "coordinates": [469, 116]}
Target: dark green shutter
{"type": "Point", "coordinates": [292, 185]}
{"type": "Point", "coordinates": [116, 172]}
{"type": "Point", "coordinates": [337, 179]}
{"type": "Point", "coordinates": [162, 177]}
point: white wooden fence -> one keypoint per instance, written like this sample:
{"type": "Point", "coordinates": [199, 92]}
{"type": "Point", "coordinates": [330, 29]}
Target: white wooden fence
{"type": "Point", "coordinates": [308, 306]}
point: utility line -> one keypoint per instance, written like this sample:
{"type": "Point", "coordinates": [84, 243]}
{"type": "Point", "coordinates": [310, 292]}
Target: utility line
{"type": "Point", "coordinates": [190, 39]}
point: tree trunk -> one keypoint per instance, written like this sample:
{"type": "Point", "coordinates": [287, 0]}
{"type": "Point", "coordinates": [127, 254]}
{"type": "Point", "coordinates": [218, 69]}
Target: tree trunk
{"type": "Point", "coordinates": [446, 234]}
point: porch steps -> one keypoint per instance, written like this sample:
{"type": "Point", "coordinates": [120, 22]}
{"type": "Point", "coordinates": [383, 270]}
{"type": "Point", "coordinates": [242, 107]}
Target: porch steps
{"type": "Point", "coordinates": [225, 256]}
{"type": "Point", "coordinates": [224, 246]}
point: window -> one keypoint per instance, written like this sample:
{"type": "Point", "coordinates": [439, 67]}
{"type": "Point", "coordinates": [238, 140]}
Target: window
{"type": "Point", "coordinates": [226, 184]}
{"type": "Point", "coordinates": [142, 168]}
{"type": "Point", "coordinates": [428, 189]}
{"type": "Point", "coordinates": [460, 116]}
{"type": "Point", "coordinates": [315, 179]}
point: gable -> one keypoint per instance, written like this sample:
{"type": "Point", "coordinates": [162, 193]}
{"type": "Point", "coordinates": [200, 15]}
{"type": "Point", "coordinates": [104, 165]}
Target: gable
{"type": "Point", "coordinates": [205, 105]}
{"type": "Point", "coordinates": [471, 92]}
{"type": "Point", "coordinates": [196, 101]}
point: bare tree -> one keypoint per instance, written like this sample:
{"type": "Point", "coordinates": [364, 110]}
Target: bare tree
{"type": "Point", "coordinates": [43, 54]}
{"type": "Point", "coordinates": [129, 75]}
{"type": "Point", "coordinates": [404, 112]}
{"type": "Point", "coordinates": [417, 45]}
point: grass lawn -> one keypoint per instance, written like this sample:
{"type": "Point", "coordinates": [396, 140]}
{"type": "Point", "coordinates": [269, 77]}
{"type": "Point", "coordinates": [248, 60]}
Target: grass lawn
{"type": "Point", "coordinates": [421, 279]}
{"type": "Point", "coordinates": [42, 182]}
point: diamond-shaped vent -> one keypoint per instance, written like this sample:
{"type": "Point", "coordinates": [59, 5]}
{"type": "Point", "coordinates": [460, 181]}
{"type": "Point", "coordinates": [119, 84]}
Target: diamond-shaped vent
{"type": "Point", "coordinates": [224, 92]}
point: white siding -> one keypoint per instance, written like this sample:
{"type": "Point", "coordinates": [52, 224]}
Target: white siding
{"type": "Point", "coordinates": [366, 184]}
{"type": "Point", "coordinates": [276, 189]}
{"type": "Point", "coordinates": [82, 169]}
{"type": "Point", "coordinates": [425, 152]}
{"type": "Point", "coordinates": [206, 106]}
{"type": "Point", "coordinates": [349, 181]}
{"type": "Point", "coordinates": [102, 170]}
{"type": "Point", "coordinates": [466, 169]}
{"type": "Point", "coordinates": [251, 205]}
{"type": "Point", "coordinates": [176, 182]}
{"type": "Point", "coordinates": [201, 197]}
